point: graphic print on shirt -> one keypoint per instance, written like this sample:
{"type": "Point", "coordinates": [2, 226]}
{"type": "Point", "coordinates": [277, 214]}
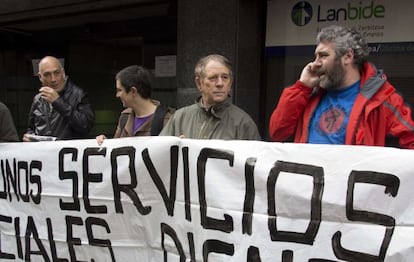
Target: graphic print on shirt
{"type": "Point", "coordinates": [331, 120]}
{"type": "Point", "coordinates": [329, 125]}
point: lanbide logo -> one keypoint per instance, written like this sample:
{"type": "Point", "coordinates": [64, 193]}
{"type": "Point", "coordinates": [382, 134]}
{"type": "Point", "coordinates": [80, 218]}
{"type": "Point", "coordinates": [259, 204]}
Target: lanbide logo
{"type": "Point", "coordinates": [301, 13]}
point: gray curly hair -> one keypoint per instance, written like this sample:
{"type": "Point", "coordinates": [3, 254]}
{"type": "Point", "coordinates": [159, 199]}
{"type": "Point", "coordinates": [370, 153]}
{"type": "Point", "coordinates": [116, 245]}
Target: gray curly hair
{"type": "Point", "coordinates": [345, 39]}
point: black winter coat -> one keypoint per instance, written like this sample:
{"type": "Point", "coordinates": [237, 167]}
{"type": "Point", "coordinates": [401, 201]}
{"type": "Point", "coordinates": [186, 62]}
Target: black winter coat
{"type": "Point", "coordinates": [70, 117]}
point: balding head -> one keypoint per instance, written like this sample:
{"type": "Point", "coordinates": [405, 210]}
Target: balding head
{"type": "Point", "coordinates": [49, 60]}
{"type": "Point", "coordinates": [51, 73]}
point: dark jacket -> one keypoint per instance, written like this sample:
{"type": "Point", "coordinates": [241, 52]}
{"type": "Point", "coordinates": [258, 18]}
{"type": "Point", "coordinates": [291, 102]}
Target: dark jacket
{"type": "Point", "coordinates": [8, 131]}
{"type": "Point", "coordinates": [379, 114]}
{"type": "Point", "coordinates": [70, 117]}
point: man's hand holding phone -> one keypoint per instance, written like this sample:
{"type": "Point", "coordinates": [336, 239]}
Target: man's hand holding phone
{"type": "Point", "coordinates": [310, 75]}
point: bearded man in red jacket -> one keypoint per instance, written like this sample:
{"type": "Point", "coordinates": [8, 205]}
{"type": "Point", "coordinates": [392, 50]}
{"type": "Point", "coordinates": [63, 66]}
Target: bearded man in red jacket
{"type": "Point", "coordinates": [341, 98]}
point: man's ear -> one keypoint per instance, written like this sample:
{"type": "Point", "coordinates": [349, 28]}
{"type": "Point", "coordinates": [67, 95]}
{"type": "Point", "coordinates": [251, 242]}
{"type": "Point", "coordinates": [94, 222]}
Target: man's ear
{"type": "Point", "coordinates": [197, 80]}
{"type": "Point", "coordinates": [133, 90]}
{"type": "Point", "coordinates": [349, 57]}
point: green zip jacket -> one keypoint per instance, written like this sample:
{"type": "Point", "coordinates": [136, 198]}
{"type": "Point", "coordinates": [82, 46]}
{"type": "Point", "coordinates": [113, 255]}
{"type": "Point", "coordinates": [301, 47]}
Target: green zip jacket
{"type": "Point", "coordinates": [221, 121]}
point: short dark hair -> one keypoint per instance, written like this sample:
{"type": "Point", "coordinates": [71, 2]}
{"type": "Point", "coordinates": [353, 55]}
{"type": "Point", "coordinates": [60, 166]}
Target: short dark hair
{"type": "Point", "coordinates": [137, 76]}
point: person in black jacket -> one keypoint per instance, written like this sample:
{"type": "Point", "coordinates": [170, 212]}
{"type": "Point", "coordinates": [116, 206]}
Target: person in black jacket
{"type": "Point", "coordinates": [8, 131]}
{"type": "Point", "coordinates": [61, 109]}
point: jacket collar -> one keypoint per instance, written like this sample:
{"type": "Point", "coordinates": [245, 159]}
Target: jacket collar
{"type": "Point", "coordinates": [372, 80]}
{"type": "Point", "coordinates": [128, 110]}
{"type": "Point", "coordinates": [216, 110]}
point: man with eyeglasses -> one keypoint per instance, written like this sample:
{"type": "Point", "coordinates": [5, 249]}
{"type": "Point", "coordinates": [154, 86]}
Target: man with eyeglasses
{"type": "Point", "coordinates": [213, 116]}
{"type": "Point", "coordinates": [61, 109]}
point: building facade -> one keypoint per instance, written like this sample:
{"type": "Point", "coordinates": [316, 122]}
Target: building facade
{"type": "Point", "coordinates": [96, 38]}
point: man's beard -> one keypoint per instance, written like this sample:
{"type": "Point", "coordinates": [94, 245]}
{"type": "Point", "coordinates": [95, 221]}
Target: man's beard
{"type": "Point", "coordinates": [333, 77]}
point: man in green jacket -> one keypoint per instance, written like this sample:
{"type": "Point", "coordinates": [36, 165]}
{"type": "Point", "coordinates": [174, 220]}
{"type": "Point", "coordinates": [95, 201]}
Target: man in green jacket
{"type": "Point", "coordinates": [213, 116]}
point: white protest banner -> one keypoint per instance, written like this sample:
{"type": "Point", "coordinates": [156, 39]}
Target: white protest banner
{"type": "Point", "coordinates": [171, 199]}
